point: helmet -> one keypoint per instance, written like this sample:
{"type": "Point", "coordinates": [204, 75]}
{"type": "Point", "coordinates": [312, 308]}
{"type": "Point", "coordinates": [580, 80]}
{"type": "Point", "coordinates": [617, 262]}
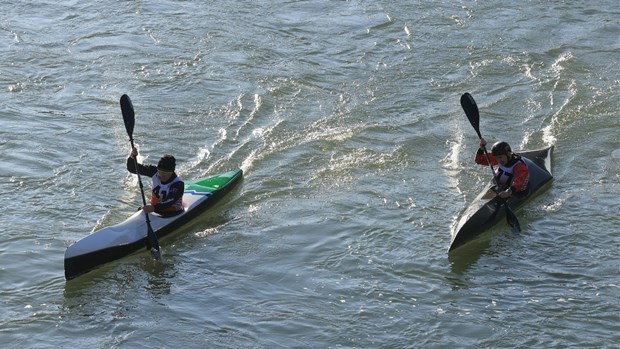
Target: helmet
{"type": "Point", "coordinates": [501, 148]}
{"type": "Point", "coordinates": [166, 163]}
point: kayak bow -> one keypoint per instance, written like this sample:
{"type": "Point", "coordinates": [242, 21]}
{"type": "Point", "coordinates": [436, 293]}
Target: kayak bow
{"type": "Point", "coordinates": [486, 210]}
{"type": "Point", "coordinates": [117, 241]}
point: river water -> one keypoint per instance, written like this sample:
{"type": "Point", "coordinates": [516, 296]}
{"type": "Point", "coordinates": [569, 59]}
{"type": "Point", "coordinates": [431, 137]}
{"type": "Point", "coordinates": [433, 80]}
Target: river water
{"type": "Point", "coordinates": [345, 117]}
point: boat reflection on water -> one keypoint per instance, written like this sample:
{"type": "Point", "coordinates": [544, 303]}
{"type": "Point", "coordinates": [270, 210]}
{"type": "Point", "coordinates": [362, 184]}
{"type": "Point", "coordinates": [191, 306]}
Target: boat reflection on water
{"type": "Point", "coordinates": [463, 259]}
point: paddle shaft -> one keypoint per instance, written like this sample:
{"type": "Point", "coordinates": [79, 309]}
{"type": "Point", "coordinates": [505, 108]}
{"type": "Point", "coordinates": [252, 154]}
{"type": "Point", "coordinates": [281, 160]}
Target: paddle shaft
{"type": "Point", "coordinates": [135, 162]}
{"type": "Point", "coordinates": [129, 119]}
{"type": "Point", "coordinates": [151, 237]}
{"type": "Point", "coordinates": [473, 115]}
{"type": "Point", "coordinates": [486, 153]}
{"type": "Point", "coordinates": [511, 218]}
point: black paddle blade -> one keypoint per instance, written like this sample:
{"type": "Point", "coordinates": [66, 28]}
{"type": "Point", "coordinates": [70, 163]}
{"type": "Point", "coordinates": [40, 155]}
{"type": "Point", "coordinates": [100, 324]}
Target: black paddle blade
{"type": "Point", "coordinates": [156, 254]}
{"type": "Point", "coordinates": [130, 120]}
{"type": "Point", "coordinates": [512, 220]}
{"type": "Point", "coordinates": [128, 115]}
{"type": "Point", "coordinates": [471, 110]}
{"type": "Point", "coordinates": [152, 243]}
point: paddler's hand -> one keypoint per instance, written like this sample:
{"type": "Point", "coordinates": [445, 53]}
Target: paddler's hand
{"type": "Point", "coordinates": [483, 143]}
{"type": "Point", "coordinates": [134, 152]}
{"type": "Point", "coordinates": [505, 194]}
{"type": "Point", "coordinates": [148, 208]}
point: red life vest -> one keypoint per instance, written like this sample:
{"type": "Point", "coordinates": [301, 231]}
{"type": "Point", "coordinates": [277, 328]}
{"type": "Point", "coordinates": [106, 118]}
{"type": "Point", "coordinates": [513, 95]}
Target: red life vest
{"type": "Point", "coordinates": [505, 174]}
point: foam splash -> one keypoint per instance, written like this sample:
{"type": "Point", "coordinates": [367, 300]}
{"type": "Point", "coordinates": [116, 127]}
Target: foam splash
{"type": "Point", "coordinates": [452, 158]}
{"type": "Point", "coordinates": [203, 155]}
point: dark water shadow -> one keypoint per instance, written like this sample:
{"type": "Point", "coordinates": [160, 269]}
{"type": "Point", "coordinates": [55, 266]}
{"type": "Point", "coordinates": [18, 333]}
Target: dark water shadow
{"type": "Point", "coordinates": [464, 257]}
{"type": "Point", "coordinates": [491, 243]}
{"type": "Point", "coordinates": [137, 270]}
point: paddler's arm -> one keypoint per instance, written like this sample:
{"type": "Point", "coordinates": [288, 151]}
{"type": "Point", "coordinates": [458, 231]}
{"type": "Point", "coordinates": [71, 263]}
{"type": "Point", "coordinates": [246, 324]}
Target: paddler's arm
{"type": "Point", "coordinates": [521, 177]}
{"type": "Point", "coordinates": [480, 158]}
{"type": "Point", "coordinates": [144, 170]}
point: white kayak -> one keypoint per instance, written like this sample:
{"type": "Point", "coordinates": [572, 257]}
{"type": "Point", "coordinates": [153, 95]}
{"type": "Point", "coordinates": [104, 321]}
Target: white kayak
{"type": "Point", "coordinates": [129, 236]}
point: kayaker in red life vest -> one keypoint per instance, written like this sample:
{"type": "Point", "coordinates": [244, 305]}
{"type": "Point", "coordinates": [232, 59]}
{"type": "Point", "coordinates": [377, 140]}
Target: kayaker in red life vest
{"type": "Point", "coordinates": [511, 171]}
{"type": "Point", "coordinates": [168, 188]}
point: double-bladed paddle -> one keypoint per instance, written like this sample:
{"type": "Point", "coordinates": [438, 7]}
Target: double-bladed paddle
{"type": "Point", "coordinates": [471, 110]}
{"type": "Point", "coordinates": [130, 119]}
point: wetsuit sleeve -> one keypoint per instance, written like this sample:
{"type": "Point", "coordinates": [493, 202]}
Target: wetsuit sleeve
{"type": "Point", "coordinates": [149, 170]}
{"type": "Point", "coordinates": [176, 193]}
{"type": "Point", "coordinates": [481, 159]}
{"type": "Point", "coordinates": [521, 177]}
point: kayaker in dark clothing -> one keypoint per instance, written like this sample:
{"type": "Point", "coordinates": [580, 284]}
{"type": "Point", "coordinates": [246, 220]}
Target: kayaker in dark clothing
{"type": "Point", "coordinates": [168, 188]}
{"type": "Point", "coordinates": [512, 172]}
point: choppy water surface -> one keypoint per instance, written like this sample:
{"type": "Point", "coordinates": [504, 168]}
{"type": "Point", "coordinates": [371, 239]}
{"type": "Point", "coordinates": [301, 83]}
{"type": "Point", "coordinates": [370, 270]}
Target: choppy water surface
{"type": "Point", "coordinates": [357, 159]}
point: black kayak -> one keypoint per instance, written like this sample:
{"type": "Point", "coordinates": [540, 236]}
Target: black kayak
{"type": "Point", "coordinates": [486, 210]}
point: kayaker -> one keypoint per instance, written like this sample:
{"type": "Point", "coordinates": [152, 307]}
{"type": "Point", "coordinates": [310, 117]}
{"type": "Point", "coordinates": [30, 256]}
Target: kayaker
{"type": "Point", "coordinates": [511, 171]}
{"type": "Point", "coordinates": [168, 188]}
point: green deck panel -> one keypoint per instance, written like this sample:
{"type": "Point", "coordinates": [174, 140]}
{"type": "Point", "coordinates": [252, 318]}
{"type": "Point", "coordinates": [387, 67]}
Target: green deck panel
{"type": "Point", "coordinates": [212, 183]}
